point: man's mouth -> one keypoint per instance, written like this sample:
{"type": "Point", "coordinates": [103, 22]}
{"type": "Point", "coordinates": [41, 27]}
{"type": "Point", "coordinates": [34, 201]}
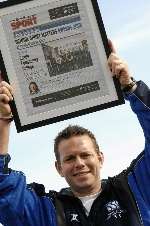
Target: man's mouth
{"type": "Point", "coordinates": [81, 173]}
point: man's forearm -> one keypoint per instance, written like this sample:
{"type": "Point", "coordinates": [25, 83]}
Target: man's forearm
{"type": "Point", "coordinates": [4, 136]}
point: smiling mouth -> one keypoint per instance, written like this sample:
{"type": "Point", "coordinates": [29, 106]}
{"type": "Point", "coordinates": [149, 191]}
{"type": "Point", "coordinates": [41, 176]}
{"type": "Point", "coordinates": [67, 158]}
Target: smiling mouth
{"type": "Point", "coordinates": [81, 173]}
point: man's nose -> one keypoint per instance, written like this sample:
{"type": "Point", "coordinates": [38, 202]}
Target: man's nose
{"type": "Point", "coordinates": [79, 162]}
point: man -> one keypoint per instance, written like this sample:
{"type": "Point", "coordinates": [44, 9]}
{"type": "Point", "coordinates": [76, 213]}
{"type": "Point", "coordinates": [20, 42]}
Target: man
{"type": "Point", "coordinates": [123, 200]}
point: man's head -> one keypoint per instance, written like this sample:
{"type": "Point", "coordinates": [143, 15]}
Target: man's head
{"type": "Point", "coordinates": [79, 159]}
{"type": "Point", "coordinates": [72, 131]}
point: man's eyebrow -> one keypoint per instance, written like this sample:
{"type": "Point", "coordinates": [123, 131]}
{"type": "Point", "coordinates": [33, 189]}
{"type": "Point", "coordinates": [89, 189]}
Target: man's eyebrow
{"type": "Point", "coordinates": [70, 155]}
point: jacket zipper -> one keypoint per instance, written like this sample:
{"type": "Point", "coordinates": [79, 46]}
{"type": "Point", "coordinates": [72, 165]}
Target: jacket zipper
{"type": "Point", "coordinates": [140, 217]}
{"type": "Point", "coordinates": [139, 214]}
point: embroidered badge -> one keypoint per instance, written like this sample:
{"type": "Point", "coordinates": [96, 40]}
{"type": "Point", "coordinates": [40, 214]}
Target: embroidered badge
{"type": "Point", "coordinates": [114, 210]}
{"type": "Point", "coordinates": [74, 217]}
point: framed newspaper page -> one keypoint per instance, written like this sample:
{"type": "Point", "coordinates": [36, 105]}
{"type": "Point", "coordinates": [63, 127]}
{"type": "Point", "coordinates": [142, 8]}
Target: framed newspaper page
{"type": "Point", "coordinates": [54, 54]}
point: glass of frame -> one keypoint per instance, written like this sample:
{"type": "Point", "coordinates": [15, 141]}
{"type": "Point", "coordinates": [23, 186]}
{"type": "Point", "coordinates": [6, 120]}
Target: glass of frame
{"type": "Point", "coordinates": [54, 54]}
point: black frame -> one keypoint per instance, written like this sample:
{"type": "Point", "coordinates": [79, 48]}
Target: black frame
{"type": "Point", "coordinates": [120, 100]}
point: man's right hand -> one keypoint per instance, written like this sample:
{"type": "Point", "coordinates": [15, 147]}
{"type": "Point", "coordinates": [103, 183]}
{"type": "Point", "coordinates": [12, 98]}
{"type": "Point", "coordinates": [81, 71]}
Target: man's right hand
{"type": "Point", "coordinates": [6, 95]}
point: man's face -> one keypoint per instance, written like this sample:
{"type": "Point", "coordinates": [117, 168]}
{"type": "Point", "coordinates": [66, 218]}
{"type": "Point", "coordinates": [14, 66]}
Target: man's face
{"type": "Point", "coordinates": [80, 164]}
{"type": "Point", "coordinates": [33, 87]}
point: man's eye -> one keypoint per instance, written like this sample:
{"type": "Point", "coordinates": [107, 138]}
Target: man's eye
{"type": "Point", "coordinates": [86, 155]}
{"type": "Point", "coordinates": [69, 159]}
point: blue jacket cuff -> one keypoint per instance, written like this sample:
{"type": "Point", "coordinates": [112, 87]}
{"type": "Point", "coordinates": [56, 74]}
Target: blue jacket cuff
{"type": "Point", "coordinates": [4, 160]}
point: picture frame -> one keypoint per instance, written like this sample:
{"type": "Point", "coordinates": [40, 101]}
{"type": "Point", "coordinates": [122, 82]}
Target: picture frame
{"type": "Point", "coordinates": [54, 55]}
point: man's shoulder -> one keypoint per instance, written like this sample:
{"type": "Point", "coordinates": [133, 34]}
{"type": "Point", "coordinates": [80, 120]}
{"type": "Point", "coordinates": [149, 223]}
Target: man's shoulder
{"type": "Point", "coordinates": [39, 189]}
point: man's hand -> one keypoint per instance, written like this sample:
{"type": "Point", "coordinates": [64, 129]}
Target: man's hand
{"type": "Point", "coordinates": [6, 95]}
{"type": "Point", "coordinates": [5, 113]}
{"type": "Point", "coordinates": [119, 68]}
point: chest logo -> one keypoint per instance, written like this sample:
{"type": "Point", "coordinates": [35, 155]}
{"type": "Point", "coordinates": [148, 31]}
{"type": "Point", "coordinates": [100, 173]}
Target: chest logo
{"type": "Point", "coordinates": [74, 217]}
{"type": "Point", "coordinates": [114, 210]}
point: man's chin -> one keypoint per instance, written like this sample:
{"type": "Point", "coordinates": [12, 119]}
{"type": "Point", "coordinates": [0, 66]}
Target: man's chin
{"type": "Point", "coordinates": [83, 185]}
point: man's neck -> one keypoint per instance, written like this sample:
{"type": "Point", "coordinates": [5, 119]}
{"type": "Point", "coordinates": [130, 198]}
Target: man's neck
{"type": "Point", "coordinates": [87, 192]}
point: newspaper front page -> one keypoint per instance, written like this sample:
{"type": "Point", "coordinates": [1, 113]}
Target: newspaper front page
{"type": "Point", "coordinates": [56, 59]}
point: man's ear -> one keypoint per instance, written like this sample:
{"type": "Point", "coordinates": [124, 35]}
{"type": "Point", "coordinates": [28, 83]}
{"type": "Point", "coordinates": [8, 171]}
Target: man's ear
{"type": "Point", "coordinates": [58, 168]}
{"type": "Point", "coordinates": [101, 158]}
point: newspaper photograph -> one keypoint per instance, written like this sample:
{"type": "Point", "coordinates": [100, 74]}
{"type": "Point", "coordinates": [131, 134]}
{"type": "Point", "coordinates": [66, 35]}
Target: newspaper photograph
{"type": "Point", "coordinates": [58, 65]}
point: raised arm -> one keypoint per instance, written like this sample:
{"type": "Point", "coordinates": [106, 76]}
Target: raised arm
{"type": "Point", "coordinates": [19, 204]}
{"type": "Point", "coordinates": [5, 115]}
{"type": "Point", "coordinates": [138, 174]}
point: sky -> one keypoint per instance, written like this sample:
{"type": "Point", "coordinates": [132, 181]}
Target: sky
{"type": "Point", "coordinates": [116, 129]}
